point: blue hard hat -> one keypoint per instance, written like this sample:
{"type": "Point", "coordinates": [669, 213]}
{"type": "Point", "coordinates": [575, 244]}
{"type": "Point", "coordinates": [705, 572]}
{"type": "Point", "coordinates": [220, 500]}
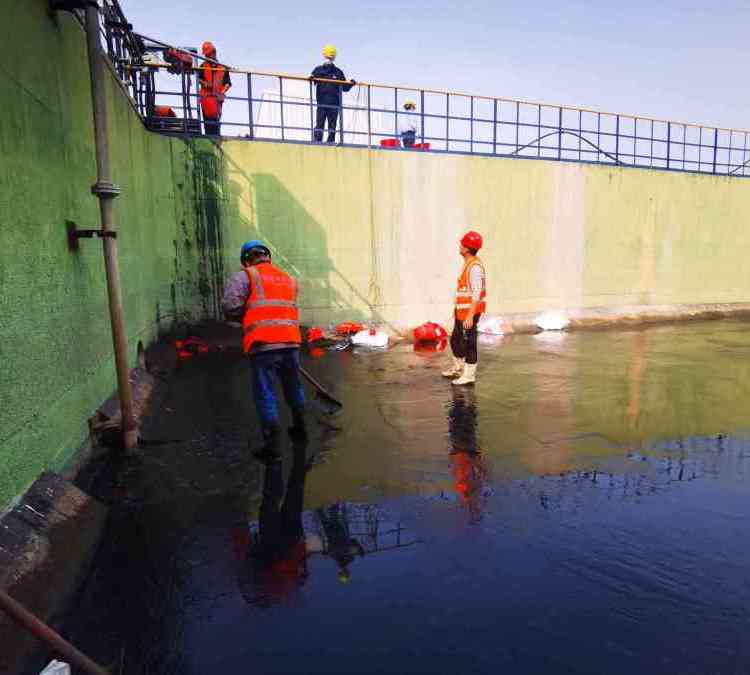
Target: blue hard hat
{"type": "Point", "coordinates": [252, 244]}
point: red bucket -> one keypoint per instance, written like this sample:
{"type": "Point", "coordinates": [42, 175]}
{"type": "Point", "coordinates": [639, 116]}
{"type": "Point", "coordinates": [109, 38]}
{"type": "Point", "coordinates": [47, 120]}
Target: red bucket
{"type": "Point", "coordinates": [390, 143]}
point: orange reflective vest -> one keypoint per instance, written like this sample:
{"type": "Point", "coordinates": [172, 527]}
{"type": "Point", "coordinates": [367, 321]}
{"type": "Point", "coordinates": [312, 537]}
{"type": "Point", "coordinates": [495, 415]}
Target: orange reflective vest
{"type": "Point", "coordinates": [271, 312]}
{"type": "Point", "coordinates": [463, 294]}
{"type": "Point", "coordinates": [211, 85]}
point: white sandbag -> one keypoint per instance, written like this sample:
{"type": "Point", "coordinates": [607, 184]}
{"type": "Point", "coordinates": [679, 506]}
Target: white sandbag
{"type": "Point", "coordinates": [491, 325]}
{"type": "Point", "coordinates": [552, 321]}
{"type": "Point", "coordinates": [366, 338]}
{"type": "Point", "coordinates": [56, 668]}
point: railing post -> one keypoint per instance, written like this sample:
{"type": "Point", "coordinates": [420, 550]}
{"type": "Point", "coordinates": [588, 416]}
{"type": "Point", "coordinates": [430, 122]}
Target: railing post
{"type": "Point", "coordinates": [716, 143]}
{"type": "Point", "coordinates": [369, 116]}
{"type": "Point", "coordinates": [518, 122]}
{"type": "Point", "coordinates": [447, 121]}
{"type": "Point", "coordinates": [312, 119]}
{"type": "Point", "coordinates": [395, 111]}
{"type": "Point", "coordinates": [539, 131]}
{"type": "Point", "coordinates": [251, 132]}
{"type": "Point", "coordinates": [421, 114]}
{"type": "Point", "coordinates": [559, 133]}
{"type": "Point", "coordinates": [471, 125]}
{"type": "Point", "coordinates": [494, 127]}
{"type": "Point", "coordinates": [281, 105]}
{"type": "Point", "coordinates": [617, 139]}
{"type": "Point", "coordinates": [669, 141]}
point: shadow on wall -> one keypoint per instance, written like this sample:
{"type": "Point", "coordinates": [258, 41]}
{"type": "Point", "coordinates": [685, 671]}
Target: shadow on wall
{"type": "Point", "coordinates": [261, 207]}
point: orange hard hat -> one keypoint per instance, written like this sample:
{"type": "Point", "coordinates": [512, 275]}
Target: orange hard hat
{"type": "Point", "coordinates": [208, 48]}
{"type": "Point", "coordinates": [472, 240]}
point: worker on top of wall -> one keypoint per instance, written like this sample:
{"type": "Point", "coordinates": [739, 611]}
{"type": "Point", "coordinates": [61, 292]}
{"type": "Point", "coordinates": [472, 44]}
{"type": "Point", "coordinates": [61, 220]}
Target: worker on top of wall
{"type": "Point", "coordinates": [265, 299]}
{"type": "Point", "coordinates": [409, 124]}
{"type": "Point", "coordinates": [469, 307]}
{"type": "Point", "coordinates": [214, 82]}
{"type": "Point", "coordinates": [328, 94]}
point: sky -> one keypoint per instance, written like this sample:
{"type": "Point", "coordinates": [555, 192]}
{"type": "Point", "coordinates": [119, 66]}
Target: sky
{"type": "Point", "coordinates": [680, 60]}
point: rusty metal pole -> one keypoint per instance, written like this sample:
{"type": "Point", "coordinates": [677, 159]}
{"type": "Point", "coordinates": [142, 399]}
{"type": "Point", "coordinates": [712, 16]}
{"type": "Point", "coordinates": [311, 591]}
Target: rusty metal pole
{"type": "Point", "coordinates": [106, 191]}
{"type": "Point", "coordinates": [59, 645]}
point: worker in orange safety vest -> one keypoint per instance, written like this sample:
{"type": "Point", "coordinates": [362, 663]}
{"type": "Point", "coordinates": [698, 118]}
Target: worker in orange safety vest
{"type": "Point", "coordinates": [214, 82]}
{"type": "Point", "coordinates": [265, 299]}
{"type": "Point", "coordinates": [470, 304]}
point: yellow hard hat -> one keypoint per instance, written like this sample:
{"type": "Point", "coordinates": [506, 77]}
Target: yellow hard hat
{"type": "Point", "coordinates": [410, 104]}
{"type": "Point", "coordinates": [329, 51]}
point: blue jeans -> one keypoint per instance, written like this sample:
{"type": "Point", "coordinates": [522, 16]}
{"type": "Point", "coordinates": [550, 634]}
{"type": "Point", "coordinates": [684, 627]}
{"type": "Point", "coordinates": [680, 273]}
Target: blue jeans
{"type": "Point", "coordinates": [285, 364]}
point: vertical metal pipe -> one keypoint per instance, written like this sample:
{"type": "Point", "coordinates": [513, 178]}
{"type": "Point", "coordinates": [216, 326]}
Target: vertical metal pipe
{"type": "Point", "coordinates": [106, 191]}
{"type": "Point", "coordinates": [559, 132]}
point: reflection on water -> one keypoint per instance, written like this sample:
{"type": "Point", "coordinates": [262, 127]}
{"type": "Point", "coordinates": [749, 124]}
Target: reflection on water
{"type": "Point", "coordinates": [583, 509]}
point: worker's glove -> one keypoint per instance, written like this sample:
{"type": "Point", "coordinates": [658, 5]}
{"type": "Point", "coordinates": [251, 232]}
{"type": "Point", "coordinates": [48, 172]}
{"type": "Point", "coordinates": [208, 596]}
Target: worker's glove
{"type": "Point", "coordinates": [468, 323]}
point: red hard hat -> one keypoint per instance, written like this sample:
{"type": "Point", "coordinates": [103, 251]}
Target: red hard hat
{"type": "Point", "coordinates": [472, 240]}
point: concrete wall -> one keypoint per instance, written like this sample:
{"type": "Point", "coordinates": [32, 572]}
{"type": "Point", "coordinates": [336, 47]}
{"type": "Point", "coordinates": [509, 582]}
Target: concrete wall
{"type": "Point", "coordinates": [375, 233]}
{"type": "Point", "coordinates": [56, 362]}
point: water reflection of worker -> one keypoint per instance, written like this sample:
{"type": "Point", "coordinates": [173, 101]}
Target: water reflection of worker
{"type": "Point", "coordinates": [467, 464]}
{"type": "Point", "coordinates": [277, 563]}
{"type": "Point", "coordinates": [340, 545]}
{"type": "Point", "coordinates": [409, 125]}
{"type": "Point", "coordinates": [214, 83]}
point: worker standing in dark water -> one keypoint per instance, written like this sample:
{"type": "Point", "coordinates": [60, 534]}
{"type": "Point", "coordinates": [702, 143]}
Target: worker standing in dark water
{"type": "Point", "coordinates": [264, 298]}
{"type": "Point", "coordinates": [214, 83]}
{"type": "Point", "coordinates": [469, 307]}
{"type": "Point", "coordinates": [328, 94]}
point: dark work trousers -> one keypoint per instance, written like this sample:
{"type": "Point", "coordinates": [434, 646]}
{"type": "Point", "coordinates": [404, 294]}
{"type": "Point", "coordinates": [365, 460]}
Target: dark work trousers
{"type": "Point", "coordinates": [329, 113]}
{"type": "Point", "coordinates": [408, 138]}
{"type": "Point", "coordinates": [267, 366]}
{"type": "Point", "coordinates": [212, 126]}
{"type": "Point", "coordinates": [464, 342]}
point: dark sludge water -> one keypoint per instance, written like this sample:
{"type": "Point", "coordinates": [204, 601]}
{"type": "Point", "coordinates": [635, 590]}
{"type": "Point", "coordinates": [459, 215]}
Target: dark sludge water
{"type": "Point", "coordinates": [583, 509]}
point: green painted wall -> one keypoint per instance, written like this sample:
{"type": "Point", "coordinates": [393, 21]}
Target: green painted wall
{"type": "Point", "coordinates": [56, 362]}
{"type": "Point", "coordinates": [374, 233]}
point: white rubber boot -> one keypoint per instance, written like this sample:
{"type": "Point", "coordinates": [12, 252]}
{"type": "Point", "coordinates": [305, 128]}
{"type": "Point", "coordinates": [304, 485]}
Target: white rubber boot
{"type": "Point", "coordinates": [469, 376]}
{"type": "Point", "coordinates": [456, 369]}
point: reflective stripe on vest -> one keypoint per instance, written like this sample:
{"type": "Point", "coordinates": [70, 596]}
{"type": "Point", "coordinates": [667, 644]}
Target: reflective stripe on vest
{"type": "Point", "coordinates": [271, 313]}
{"type": "Point", "coordinates": [464, 296]}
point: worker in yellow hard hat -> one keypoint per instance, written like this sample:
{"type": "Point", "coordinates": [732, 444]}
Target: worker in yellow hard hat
{"type": "Point", "coordinates": [409, 124]}
{"type": "Point", "coordinates": [328, 94]}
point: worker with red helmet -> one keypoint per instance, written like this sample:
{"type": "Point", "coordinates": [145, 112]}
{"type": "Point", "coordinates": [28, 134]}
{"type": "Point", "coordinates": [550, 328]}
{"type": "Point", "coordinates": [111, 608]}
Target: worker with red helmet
{"type": "Point", "coordinates": [214, 83]}
{"type": "Point", "coordinates": [469, 307]}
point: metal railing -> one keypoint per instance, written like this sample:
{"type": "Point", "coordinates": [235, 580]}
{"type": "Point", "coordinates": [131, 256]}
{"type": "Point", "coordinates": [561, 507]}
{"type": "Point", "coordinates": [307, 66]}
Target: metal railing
{"type": "Point", "coordinates": [281, 107]}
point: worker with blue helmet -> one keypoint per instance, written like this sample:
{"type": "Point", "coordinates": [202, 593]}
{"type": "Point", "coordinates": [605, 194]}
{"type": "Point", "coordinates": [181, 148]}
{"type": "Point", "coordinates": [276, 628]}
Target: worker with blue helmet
{"type": "Point", "coordinates": [264, 299]}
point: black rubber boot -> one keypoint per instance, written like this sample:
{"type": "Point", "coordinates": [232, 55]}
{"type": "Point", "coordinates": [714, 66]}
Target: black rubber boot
{"type": "Point", "coordinates": [298, 430]}
{"type": "Point", "coordinates": [271, 449]}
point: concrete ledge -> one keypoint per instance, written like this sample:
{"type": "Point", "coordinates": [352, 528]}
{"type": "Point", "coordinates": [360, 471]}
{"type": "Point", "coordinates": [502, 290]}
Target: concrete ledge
{"type": "Point", "coordinates": [46, 545]}
{"type": "Point", "coordinates": [625, 316]}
